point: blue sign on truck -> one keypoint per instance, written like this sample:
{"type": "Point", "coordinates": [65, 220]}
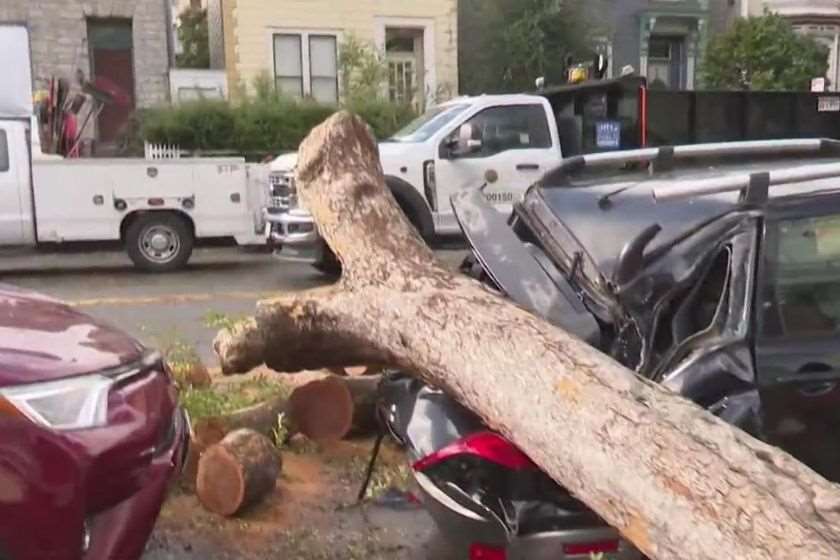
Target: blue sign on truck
{"type": "Point", "coordinates": [608, 135]}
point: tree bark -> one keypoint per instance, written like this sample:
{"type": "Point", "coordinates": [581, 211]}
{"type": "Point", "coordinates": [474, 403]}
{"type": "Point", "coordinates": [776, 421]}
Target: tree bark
{"type": "Point", "coordinates": [675, 480]}
{"type": "Point", "coordinates": [237, 472]}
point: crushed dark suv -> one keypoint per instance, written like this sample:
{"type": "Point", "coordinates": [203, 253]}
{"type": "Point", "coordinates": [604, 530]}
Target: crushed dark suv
{"type": "Point", "coordinates": [713, 269]}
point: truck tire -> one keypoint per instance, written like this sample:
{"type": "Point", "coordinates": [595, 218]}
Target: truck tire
{"type": "Point", "coordinates": [159, 242]}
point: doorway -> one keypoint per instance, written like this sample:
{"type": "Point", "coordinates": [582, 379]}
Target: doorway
{"type": "Point", "coordinates": [111, 47]}
{"type": "Point", "coordinates": [666, 66]}
{"type": "Point", "coordinates": [406, 72]}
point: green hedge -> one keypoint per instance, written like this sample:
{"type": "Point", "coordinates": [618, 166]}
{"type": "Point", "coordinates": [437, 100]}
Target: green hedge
{"type": "Point", "coordinates": [257, 126]}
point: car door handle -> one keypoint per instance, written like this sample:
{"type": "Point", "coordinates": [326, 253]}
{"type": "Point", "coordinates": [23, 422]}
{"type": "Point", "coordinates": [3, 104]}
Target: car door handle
{"type": "Point", "coordinates": [817, 388]}
{"type": "Point", "coordinates": [527, 167]}
{"type": "Point", "coordinates": [814, 367]}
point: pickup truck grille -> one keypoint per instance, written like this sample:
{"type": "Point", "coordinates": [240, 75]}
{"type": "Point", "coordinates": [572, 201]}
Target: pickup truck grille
{"type": "Point", "coordinates": [283, 192]}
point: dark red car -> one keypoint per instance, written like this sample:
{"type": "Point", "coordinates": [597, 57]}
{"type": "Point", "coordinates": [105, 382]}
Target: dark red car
{"type": "Point", "coordinates": [90, 434]}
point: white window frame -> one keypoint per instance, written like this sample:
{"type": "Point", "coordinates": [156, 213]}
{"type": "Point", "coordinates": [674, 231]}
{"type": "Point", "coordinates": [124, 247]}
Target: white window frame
{"type": "Point", "coordinates": [306, 69]}
{"type": "Point", "coordinates": [427, 25]}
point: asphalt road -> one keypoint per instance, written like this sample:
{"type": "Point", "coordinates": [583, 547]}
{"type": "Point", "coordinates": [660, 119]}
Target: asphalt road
{"type": "Point", "coordinates": [160, 309]}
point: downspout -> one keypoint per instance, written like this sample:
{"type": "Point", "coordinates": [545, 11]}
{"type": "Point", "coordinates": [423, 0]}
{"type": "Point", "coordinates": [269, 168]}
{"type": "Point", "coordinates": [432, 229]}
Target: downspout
{"type": "Point", "coordinates": [170, 49]}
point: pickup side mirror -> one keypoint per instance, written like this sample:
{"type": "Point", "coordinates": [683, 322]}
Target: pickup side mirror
{"type": "Point", "coordinates": [461, 143]}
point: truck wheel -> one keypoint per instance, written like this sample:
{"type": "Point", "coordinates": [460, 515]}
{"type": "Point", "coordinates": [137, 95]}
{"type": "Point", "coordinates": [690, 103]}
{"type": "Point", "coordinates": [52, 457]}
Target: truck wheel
{"type": "Point", "coordinates": [159, 242]}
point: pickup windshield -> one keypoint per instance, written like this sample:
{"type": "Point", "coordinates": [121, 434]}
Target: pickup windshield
{"type": "Point", "coordinates": [423, 127]}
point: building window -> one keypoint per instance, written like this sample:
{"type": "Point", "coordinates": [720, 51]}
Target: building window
{"type": "Point", "coordinates": [306, 64]}
{"type": "Point", "coordinates": [288, 65]}
{"type": "Point", "coordinates": [404, 54]}
{"type": "Point", "coordinates": [323, 68]}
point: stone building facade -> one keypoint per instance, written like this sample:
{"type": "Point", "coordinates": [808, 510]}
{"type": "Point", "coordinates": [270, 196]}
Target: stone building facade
{"type": "Point", "coordinates": [127, 42]}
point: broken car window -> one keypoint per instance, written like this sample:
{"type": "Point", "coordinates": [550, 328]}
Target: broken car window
{"type": "Point", "coordinates": [805, 280]}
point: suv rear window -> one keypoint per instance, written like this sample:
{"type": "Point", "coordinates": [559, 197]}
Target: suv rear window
{"type": "Point", "coordinates": [804, 288]}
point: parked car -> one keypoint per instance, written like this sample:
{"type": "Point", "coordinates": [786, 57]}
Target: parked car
{"type": "Point", "coordinates": [712, 269]}
{"type": "Point", "coordinates": [91, 430]}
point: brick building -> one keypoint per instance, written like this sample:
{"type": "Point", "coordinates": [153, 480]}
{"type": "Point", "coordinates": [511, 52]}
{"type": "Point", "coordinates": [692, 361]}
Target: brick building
{"type": "Point", "coordinates": [127, 43]}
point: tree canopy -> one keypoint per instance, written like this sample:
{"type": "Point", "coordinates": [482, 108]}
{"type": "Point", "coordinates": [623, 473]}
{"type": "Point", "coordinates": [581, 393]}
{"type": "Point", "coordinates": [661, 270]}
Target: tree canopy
{"type": "Point", "coordinates": [506, 44]}
{"type": "Point", "coordinates": [763, 53]}
{"type": "Point", "coordinates": [193, 35]}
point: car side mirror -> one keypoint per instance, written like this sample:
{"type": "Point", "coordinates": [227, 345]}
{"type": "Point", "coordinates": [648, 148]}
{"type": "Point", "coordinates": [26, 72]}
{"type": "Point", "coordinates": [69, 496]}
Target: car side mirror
{"type": "Point", "coordinates": [462, 144]}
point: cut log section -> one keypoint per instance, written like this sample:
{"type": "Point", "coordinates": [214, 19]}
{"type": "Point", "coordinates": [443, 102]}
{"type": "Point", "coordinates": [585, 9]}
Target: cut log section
{"type": "Point", "coordinates": [237, 472]}
{"type": "Point", "coordinates": [321, 410]}
{"type": "Point", "coordinates": [674, 479]}
{"type": "Point", "coordinates": [326, 409]}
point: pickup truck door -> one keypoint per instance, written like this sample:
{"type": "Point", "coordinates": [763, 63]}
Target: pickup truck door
{"type": "Point", "coordinates": [798, 338]}
{"type": "Point", "coordinates": [513, 148]}
{"type": "Point", "coordinates": [12, 166]}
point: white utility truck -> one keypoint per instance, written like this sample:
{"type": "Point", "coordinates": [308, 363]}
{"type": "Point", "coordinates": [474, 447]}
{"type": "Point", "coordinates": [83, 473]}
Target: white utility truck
{"type": "Point", "coordinates": [156, 208]}
{"type": "Point", "coordinates": [506, 142]}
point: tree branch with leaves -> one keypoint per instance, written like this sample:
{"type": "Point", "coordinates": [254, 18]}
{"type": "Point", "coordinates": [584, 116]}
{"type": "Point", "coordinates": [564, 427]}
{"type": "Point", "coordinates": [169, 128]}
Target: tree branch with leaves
{"type": "Point", "coordinates": [763, 53]}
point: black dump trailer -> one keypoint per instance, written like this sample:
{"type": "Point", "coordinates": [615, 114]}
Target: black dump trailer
{"type": "Point", "coordinates": [617, 114]}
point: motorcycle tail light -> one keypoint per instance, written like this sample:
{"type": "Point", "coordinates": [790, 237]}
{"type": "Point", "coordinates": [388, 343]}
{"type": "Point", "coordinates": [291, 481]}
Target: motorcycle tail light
{"type": "Point", "coordinates": [590, 548]}
{"type": "Point", "coordinates": [480, 551]}
{"type": "Point", "coordinates": [484, 445]}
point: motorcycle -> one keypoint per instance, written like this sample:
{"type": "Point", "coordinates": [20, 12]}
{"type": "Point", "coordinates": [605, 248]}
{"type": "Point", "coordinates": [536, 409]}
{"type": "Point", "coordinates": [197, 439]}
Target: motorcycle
{"type": "Point", "coordinates": [485, 495]}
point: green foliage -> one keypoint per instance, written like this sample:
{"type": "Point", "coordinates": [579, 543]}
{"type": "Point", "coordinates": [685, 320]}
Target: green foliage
{"type": "Point", "coordinates": [363, 70]}
{"type": "Point", "coordinates": [763, 53]}
{"type": "Point", "coordinates": [264, 123]}
{"type": "Point", "coordinates": [193, 35]}
{"type": "Point", "coordinates": [216, 399]}
{"type": "Point", "coordinates": [506, 44]}
{"type": "Point", "coordinates": [217, 320]}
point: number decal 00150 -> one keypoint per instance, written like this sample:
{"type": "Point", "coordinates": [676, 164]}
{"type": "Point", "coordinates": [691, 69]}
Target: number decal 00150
{"type": "Point", "coordinates": [499, 197]}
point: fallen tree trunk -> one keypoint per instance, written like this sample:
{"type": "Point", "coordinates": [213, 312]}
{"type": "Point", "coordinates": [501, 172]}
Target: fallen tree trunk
{"type": "Point", "coordinates": [237, 472]}
{"type": "Point", "coordinates": [677, 481]}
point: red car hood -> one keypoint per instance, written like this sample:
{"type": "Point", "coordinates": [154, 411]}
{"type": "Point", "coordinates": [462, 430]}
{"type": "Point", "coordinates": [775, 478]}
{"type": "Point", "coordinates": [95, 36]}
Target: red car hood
{"type": "Point", "coordinates": [42, 339]}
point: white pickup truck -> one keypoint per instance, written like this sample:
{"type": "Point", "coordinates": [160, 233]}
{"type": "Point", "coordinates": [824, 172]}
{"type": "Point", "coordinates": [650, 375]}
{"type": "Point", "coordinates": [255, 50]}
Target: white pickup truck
{"type": "Point", "coordinates": [505, 141]}
{"type": "Point", "coordinates": [156, 208]}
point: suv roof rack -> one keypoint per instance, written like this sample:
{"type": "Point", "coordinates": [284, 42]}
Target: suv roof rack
{"type": "Point", "coordinates": [754, 186]}
{"type": "Point", "coordinates": [665, 158]}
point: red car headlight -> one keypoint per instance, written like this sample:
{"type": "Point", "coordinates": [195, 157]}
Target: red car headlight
{"type": "Point", "coordinates": [67, 404]}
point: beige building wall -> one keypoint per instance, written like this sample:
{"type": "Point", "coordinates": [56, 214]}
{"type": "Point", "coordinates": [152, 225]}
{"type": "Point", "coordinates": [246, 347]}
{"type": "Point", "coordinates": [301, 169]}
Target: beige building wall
{"type": "Point", "coordinates": [249, 26]}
